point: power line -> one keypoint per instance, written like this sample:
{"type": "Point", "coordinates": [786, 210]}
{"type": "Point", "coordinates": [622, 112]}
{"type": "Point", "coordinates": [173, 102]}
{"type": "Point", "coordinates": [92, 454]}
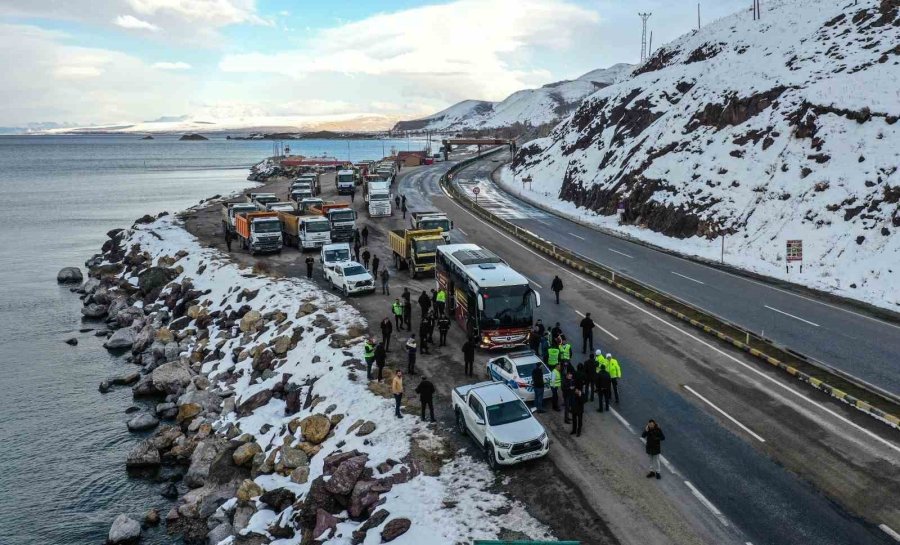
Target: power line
{"type": "Point", "coordinates": [644, 17]}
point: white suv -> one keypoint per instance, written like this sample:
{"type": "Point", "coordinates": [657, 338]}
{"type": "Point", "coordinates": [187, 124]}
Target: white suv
{"type": "Point", "coordinates": [515, 370]}
{"type": "Point", "coordinates": [350, 277]}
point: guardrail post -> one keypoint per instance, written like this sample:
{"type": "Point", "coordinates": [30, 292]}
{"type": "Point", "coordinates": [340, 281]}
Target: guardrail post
{"type": "Point", "coordinates": [614, 277]}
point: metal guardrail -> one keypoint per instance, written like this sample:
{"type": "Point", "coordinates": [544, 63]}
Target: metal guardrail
{"type": "Point", "coordinates": [864, 397]}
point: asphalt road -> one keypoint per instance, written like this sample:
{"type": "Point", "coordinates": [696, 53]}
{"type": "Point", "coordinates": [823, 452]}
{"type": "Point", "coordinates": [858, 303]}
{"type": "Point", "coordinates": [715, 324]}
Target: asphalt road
{"type": "Point", "coordinates": [857, 344]}
{"type": "Point", "coordinates": [819, 475]}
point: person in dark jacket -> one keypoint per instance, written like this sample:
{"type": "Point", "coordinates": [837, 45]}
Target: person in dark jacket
{"type": "Point", "coordinates": [425, 389]}
{"type": "Point", "coordinates": [577, 410]}
{"type": "Point", "coordinates": [407, 308]}
{"type": "Point", "coordinates": [375, 263]}
{"type": "Point", "coordinates": [424, 302]}
{"type": "Point", "coordinates": [443, 327]}
{"type": "Point", "coordinates": [587, 333]}
{"type": "Point", "coordinates": [309, 266]}
{"type": "Point", "coordinates": [590, 379]}
{"type": "Point", "coordinates": [654, 436]}
{"type": "Point", "coordinates": [386, 329]}
{"type": "Point", "coordinates": [604, 385]}
{"type": "Point", "coordinates": [555, 333]}
{"type": "Point", "coordinates": [366, 255]}
{"type": "Point", "coordinates": [356, 248]}
{"type": "Point", "coordinates": [468, 350]}
{"type": "Point", "coordinates": [365, 235]}
{"type": "Point", "coordinates": [423, 336]}
{"type": "Point", "coordinates": [557, 287]}
{"type": "Point", "coordinates": [385, 278]}
{"type": "Point", "coordinates": [537, 382]}
{"type": "Point", "coordinates": [380, 358]}
{"type": "Point", "coordinates": [412, 347]}
{"type": "Point", "coordinates": [568, 387]}
{"type": "Point", "coordinates": [228, 237]}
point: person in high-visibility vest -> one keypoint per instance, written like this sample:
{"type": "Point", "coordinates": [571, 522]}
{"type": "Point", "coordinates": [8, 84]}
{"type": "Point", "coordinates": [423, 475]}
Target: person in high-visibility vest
{"type": "Point", "coordinates": [552, 356]}
{"type": "Point", "coordinates": [369, 355]}
{"type": "Point", "coordinates": [615, 373]}
{"type": "Point", "coordinates": [555, 382]}
{"type": "Point", "coordinates": [397, 309]}
{"type": "Point", "coordinates": [441, 299]}
{"type": "Point", "coordinates": [565, 350]}
{"type": "Point", "coordinates": [600, 360]}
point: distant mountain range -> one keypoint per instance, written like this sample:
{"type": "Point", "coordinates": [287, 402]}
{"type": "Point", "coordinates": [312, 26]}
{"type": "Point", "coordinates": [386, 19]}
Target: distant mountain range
{"type": "Point", "coordinates": [535, 107]}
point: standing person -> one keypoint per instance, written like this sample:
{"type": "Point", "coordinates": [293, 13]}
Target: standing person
{"type": "Point", "coordinates": [552, 356]}
{"type": "Point", "coordinates": [590, 379]}
{"type": "Point", "coordinates": [380, 358]}
{"type": "Point", "coordinates": [540, 326]}
{"type": "Point", "coordinates": [352, 194]}
{"type": "Point", "coordinates": [603, 386]}
{"type": "Point", "coordinates": [365, 235]}
{"type": "Point", "coordinates": [403, 208]}
{"type": "Point", "coordinates": [403, 199]}
{"type": "Point", "coordinates": [385, 277]}
{"type": "Point", "coordinates": [443, 328]}
{"type": "Point", "coordinates": [310, 261]}
{"type": "Point", "coordinates": [411, 349]}
{"type": "Point", "coordinates": [397, 390]}
{"type": "Point", "coordinates": [555, 383]}
{"type": "Point", "coordinates": [356, 248]}
{"type": "Point", "coordinates": [366, 257]}
{"type": "Point", "coordinates": [441, 298]}
{"type": "Point", "coordinates": [534, 339]}
{"type": "Point", "coordinates": [375, 264]}
{"type": "Point", "coordinates": [228, 239]}
{"type": "Point", "coordinates": [397, 201]}
{"type": "Point", "coordinates": [565, 350]}
{"type": "Point", "coordinates": [587, 333]}
{"type": "Point", "coordinates": [423, 335]}
{"type": "Point", "coordinates": [654, 436]}
{"type": "Point", "coordinates": [537, 383]}
{"type": "Point", "coordinates": [430, 321]}
{"type": "Point", "coordinates": [468, 350]}
{"type": "Point", "coordinates": [568, 386]}
{"type": "Point", "coordinates": [556, 286]}
{"type": "Point", "coordinates": [555, 333]}
{"type": "Point", "coordinates": [369, 356]}
{"type": "Point", "coordinates": [544, 345]}
{"type": "Point", "coordinates": [425, 389]}
{"type": "Point", "coordinates": [615, 373]}
{"type": "Point", "coordinates": [424, 303]}
{"type": "Point", "coordinates": [577, 409]}
{"type": "Point", "coordinates": [397, 310]}
{"type": "Point", "coordinates": [386, 330]}
{"type": "Point", "coordinates": [356, 237]}
{"type": "Point", "coordinates": [407, 309]}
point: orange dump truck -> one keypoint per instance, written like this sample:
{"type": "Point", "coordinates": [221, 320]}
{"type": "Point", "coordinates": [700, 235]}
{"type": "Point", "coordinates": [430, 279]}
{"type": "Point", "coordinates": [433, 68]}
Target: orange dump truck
{"type": "Point", "coordinates": [259, 231]}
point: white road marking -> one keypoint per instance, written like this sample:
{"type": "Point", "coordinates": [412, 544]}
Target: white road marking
{"type": "Point", "coordinates": [542, 222]}
{"type": "Point", "coordinates": [757, 372]}
{"type": "Point", "coordinates": [723, 413]}
{"type": "Point", "coordinates": [598, 327]}
{"type": "Point", "coordinates": [576, 236]}
{"type": "Point", "coordinates": [708, 504]}
{"type": "Point", "coordinates": [620, 253]}
{"type": "Point", "coordinates": [792, 316]}
{"type": "Point", "coordinates": [622, 420]}
{"type": "Point", "coordinates": [889, 531]}
{"type": "Point", "coordinates": [535, 283]}
{"type": "Point", "coordinates": [465, 234]}
{"type": "Point", "coordinates": [688, 277]}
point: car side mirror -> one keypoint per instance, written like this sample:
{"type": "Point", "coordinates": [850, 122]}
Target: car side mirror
{"type": "Point", "coordinates": [451, 225]}
{"type": "Point", "coordinates": [537, 298]}
{"type": "Point", "coordinates": [481, 303]}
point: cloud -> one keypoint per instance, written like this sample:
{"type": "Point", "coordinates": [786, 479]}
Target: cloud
{"type": "Point", "coordinates": [178, 65]}
{"type": "Point", "coordinates": [440, 47]}
{"type": "Point", "coordinates": [132, 22]}
{"type": "Point", "coordinates": [216, 12]}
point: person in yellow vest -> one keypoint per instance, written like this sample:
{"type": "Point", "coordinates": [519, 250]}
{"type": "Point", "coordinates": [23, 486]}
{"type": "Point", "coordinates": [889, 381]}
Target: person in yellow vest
{"type": "Point", "coordinates": [552, 356]}
{"type": "Point", "coordinates": [397, 309]}
{"type": "Point", "coordinates": [565, 350]}
{"type": "Point", "coordinates": [441, 299]}
{"type": "Point", "coordinates": [600, 360]}
{"type": "Point", "coordinates": [369, 356]}
{"type": "Point", "coordinates": [615, 373]}
{"type": "Point", "coordinates": [555, 382]}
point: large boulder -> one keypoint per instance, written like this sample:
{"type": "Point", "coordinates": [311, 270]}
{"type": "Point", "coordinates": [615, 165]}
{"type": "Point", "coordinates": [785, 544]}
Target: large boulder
{"type": "Point", "coordinates": [128, 316]}
{"type": "Point", "coordinates": [394, 529]}
{"type": "Point", "coordinates": [208, 400]}
{"type": "Point", "coordinates": [359, 535]}
{"type": "Point", "coordinates": [94, 311]}
{"type": "Point", "coordinates": [144, 454]}
{"type": "Point", "coordinates": [219, 533]}
{"type": "Point", "coordinates": [346, 475]}
{"type": "Point", "coordinates": [248, 490]}
{"type": "Point", "coordinates": [143, 339]}
{"type": "Point", "coordinates": [244, 454]}
{"type": "Point", "coordinates": [255, 401]}
{"type": "Point", "coordinates": [278, 499]}
{"type": "Point", "coordinates": [69, 275]}
{"type": "Point", "coordinates": [365, 495]}
{"type": "Point", "coordinates": [325, 522]}
{"type": "Point", "coordinates": [141, 422]}
{"type": "Point", "coordinates": [171, 377]}
{"type": "Point", "coordinates": [124, 529]}
{"type": "Point", "coordinates": [155, 277]}
{"type": "Point", "coordinates": [121, 339]}
{"type": "Point", "coordinates": [315, 428]}
{"type": "Point", "coordinates": [171, 351]}
{"type": "Point", "coordinates": [201, 461]}
{"type": "Point", "coordinates": [250, 321]}
{"type": "Point", "coordinates": [317, 498]}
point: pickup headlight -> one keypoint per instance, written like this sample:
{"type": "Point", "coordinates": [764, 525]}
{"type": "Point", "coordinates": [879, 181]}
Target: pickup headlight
{"type": "Point", "coordinates": [502, 445]}
{"type": "Point", "coordinates": [542, 437]}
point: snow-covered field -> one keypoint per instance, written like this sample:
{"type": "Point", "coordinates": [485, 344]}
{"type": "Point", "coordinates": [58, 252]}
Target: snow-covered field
{"type": "Point", "coordinates": [451, 507]}
{"type": "Point", "coordinates": [765, 131]}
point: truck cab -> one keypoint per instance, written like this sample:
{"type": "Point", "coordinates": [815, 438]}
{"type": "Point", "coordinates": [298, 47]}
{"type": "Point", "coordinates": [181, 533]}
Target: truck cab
{"type": "Point", "coordinates": [334, 253]}
{"type": "Point", "coordinates": [281, 206]}
{"type": "Point", "coordinates": [378, 195]}
{"type": "Point", "coordinates": [499, 423]}
{"type": "Point", "coordinates": [349, 277]}
{"type": "Point", "coordinates": [305, 205]}
{"type": "Point", "coordinates": [432, 220]}
{"type": "Point", "coordinates": [262, 199]}
{"type": "Point", "coordinates": [230, 210]}
{"type": "Point", "coordinates": [345, 181]}
{"type": "Point", "coordinates": [343, 223]}
{"type": "Point", "coordinates": [259, 232]}
{"type": "Point", "coordinates": [301, 194]}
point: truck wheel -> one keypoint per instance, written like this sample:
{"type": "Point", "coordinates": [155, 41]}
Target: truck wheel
{"type": "Point", "coordinates": [460, 423]}
{"type": "Point", "coordinates": [491, 457]}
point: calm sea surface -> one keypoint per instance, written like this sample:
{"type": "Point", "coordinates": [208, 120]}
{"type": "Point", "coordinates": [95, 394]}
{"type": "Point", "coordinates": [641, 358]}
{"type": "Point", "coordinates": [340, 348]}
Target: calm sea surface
{"type": "Point", "coordinates": [62, 443]}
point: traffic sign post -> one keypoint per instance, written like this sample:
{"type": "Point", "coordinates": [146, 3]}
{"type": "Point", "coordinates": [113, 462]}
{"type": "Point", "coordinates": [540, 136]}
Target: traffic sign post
{"type": "Point", "coordinates": [476, 190]}
{"type": "Point", "coordinates": [794, 252]}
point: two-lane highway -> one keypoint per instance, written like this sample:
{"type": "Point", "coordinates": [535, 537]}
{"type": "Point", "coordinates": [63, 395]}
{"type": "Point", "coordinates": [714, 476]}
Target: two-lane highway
{"type": "Point", "coordinates": [857, 344]}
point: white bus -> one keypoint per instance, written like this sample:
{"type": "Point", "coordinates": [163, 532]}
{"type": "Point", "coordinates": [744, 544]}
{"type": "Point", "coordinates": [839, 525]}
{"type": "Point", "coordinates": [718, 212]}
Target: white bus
{"type": "Point", "coordinates": [488, 298]}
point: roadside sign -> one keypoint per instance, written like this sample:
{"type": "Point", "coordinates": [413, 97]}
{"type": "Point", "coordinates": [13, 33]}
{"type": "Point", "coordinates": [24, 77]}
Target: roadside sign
{"type": "Point", "coordinates": [795, 250]}
{"type": "Point", "coordinates": [476, 190]}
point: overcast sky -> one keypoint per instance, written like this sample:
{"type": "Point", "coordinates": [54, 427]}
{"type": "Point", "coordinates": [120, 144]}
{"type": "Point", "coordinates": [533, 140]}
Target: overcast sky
{"type": "Point", "coordinates": [122, 61]}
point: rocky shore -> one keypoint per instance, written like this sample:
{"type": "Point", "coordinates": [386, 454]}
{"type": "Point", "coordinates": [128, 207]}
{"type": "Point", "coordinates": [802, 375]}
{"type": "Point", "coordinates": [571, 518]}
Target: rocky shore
{"type": "Point", "coordinates": [262, 412]}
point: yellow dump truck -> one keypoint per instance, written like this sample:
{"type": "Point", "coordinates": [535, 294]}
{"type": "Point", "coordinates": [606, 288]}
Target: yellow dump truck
{"type": "Point", "coordinates": [415, 249]}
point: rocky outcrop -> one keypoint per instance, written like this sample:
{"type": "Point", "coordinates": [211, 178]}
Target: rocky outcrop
{"type": "Point", "coordinates": [124, 530]}
{"type": "Point", "coordinates": [121, 339]}
{"type": "Point", "coordinates": [143, 422]}
{"type": "Point", "coordinates": [69, 275]}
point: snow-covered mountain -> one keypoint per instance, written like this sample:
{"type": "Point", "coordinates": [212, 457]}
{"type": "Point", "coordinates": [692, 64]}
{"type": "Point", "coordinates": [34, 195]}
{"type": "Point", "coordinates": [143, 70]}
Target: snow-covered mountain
{"type": "Point", "coordinates": [534, 107]}
{"type": "Point", "coordinates": [761, 130]}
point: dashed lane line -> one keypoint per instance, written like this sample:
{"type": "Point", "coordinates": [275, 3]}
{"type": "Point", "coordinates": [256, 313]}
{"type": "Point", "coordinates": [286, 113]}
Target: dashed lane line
{"type": "Point", "coordinates": [465, 234]}
{"type": "Point", "coordinates": [576, 236]}
{"type": "Point", "coordinates": [726, 415]}
{"type": "Point", "coordinates": [792, 316]}
{"type": "Point", "coordinates": [687, 277]}
{"type": "Point", "coordinates": [757, 372]}
{"type": "Point", "coordinates": [708, 504]}
{"type": "Point", "coordinates": [620, 253]}
{"type": "Point", "coordinates": [578, 312]}
{"type": "Point", "coordinates": [535, 283]}
{"type": "Point", "coordinates": [889, 531]}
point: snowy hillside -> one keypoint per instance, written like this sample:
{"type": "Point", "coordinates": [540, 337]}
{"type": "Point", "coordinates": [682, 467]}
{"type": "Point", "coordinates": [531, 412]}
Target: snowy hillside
{"type": "Point", "coordinates": [782, 128]}
{"type": "Point", "coordinates": [533, 107]}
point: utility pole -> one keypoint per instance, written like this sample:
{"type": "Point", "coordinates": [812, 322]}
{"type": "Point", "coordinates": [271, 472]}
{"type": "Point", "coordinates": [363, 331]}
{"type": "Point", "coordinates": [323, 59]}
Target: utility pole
{"type": "Point", "coordinates": [644, 16]}
{"type": "Point", "coordinates": [650, 47]}
{"type": "Point", "coordinates": [698, 16]}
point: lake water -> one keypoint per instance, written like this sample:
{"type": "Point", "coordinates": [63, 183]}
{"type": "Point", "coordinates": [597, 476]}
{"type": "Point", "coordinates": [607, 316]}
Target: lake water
{"type": "Point", "coordinates": [62, 443]}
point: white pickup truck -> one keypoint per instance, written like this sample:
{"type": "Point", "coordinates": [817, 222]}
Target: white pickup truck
{"type": "Point", "coordinates": [350, 277]}
{"type": "Point", "coordinates": [499, 422]}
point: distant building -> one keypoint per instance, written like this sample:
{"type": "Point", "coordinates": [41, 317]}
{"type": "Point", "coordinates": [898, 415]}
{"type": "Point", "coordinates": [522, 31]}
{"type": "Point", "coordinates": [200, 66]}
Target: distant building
{"type": "Point", "coordinates": [411, 158]}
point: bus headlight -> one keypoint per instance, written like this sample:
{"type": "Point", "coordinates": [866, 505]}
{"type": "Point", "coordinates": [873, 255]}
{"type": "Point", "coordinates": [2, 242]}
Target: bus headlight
{"type": "Point", "coordinates": [486, 340]}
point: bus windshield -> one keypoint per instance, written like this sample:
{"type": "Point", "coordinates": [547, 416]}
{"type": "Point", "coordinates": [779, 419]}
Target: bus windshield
{"type": "Point", "coordinates": [506, 306]}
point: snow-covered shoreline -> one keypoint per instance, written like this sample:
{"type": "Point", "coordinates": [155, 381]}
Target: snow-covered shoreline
{"type": "Point", "coordinates": [282, 437]}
